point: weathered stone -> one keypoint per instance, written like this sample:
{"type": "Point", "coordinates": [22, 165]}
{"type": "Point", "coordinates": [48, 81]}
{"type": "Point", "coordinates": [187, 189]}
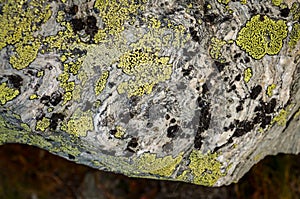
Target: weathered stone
{"type": "Point", "coordinates": [195, 91]}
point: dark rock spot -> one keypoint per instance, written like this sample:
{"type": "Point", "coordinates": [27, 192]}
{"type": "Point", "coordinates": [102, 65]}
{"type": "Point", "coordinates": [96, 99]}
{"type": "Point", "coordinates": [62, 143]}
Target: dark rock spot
{"type": "Point", "coordinates": [55, 118]}
{"type": "Point", "coordinates": [285, 12]}
{"type": "Point", "coordinates": [45, 99]}
{"type": "Point", "coordinates": [270, 106]}
{"type": "Point", "coordinates": [255, 91]}
{"type": "Point", "coordinates": [113, 132]}
{"type": "Point", "coordinates": [220, 66]}
{"type": "Point", "coordinates": [238, 77]}
{"type": "Point", "coordinates": [15, 80]}
{"type": "Point", "coordinates": [172, 130]}
{"type": "Point", "coordinates": [56, 97]}
{"type": "Point", "coordinates": [173, 120]}
{"type": "Point", "coordinates": [204, 88]}
{"type": "Point", "coordinates": [133, 143]}
{"type": "Point", "coordinates": [167, 116]}
{"type": "Point", "coordinates": [77, 24]}
{"type": "Point", "coordinates": [239, 108]}
{"type": "Point", "coordinates": [198, 140]}
{"type": "Point", "coordinates": [247, 59]}
{"type": "Point", "coordinates": [242, 128]}
{"type": "Point", "coordinates": [71, 157]}
{"type": "Point", "coordinates": [73, 10]}
{"type": "Point", "coordinates": [187, 72]}
{"type": "Point", "coordinates": [237, 55]}
{"type": "Point", "coordinates": [210, 18]}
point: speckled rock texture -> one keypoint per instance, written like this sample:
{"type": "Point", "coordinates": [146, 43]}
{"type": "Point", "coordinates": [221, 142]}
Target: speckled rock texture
{"type": "Point", "coordinates": [194, 91]}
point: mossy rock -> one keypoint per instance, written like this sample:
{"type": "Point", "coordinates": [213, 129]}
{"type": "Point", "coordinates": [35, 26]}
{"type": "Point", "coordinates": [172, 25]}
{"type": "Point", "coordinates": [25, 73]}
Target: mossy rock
{"type": "Point", "coordinates": [178, 90]}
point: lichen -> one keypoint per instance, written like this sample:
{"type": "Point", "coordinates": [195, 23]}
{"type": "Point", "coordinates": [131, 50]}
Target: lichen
{"type": "Point", "coordinates": [224, 1]}
{"type": "Point", "coordinates": [270, 89]}
{"type": "Point", "coordinates": [43, 124]}
{"type": "Point", "coordinates": [295, 10]}
{"type": "Point", "coordinates": [294, 36]}
{"type": "Point", "coordinates": [262, 35]}
{"type": "Point", "coordinates": [120, 132]}
{"type": "Point", "coordinates": [114, 14]}
{"type": "Point", "coordinates": [150, 163]}
{"type": "Point", "coordinates": [277, 2]}
{"type": "Point", "coordinates": [247, 74]}
{"type": "Point", "coordinates": [147, 70]}
{"type": "Point", "coordinates": [216, 46]}
{"type": "Point", "coordinates": [100, 84]}
{"type": "Point", "coordinates": [33, 96]}
{"type": "Point", "coordinates": [206, 168]}
{"type": "Point", "coordinates": [79, 123]}
{"type": "Point", "coordinates": [19, 21]}
{"type": "Point", "coordinates": [280, 118]}
{"type": "Point", "coordinates": [7, 94]}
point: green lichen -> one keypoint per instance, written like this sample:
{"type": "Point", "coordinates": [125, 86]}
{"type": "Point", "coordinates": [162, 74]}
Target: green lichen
{"type": "Point", "coordinates": [297, 114]}
{"type": "Point", "coordinates": [295, 11]}
{"type": "Point", "coordinates": [114, 13]}
{"type": "Point", "coordinates": [146, 68]}
{"type": "Point", "coordinates": [215, 47]}
{"type": "Point", "coordinates": [164, 166]}
{"type": "Point", "coordinates": [33, 96]}
{"type": "Point", "coordinates": [294, 36]}
{"type": "Point", "coordinates": [262, 35]}
{"type": "Point", "coordinates": [277, 2]}
{"type": "Point", "coordinates": [120, 132]}
{"type": "Point", "coordinates": [79, 123]}
{"type": "Point", "coordinates": [280, 118]}
{"type": "Point", "coordinates": [247, 74]}
{"type": "Point", "coordinates": [100, 85]}
{"type": "Point", "coordinates": [19, 20]}
{"type": "Point", "coordinates": [224, 1]}
{"type": "Point", "coordinates": [43, 124]}
{"type": "Point", "coordinates": [270, 89]}
{"type": "Point", "coordinates": [7, 94]}
{"type": "Point", "coordinates": [206, 169]}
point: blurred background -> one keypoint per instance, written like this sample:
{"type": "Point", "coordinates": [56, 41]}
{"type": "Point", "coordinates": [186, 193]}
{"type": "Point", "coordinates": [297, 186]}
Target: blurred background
{"type": "Point", "coordinates": [27, 172]}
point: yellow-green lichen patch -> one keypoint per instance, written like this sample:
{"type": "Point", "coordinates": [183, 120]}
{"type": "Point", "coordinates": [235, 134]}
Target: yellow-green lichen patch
{"type": "Point", "coordinates": [297, 114]}
{"type": "Point", "coordinates": [280, 118]}
{"type": "Point", "coordinates": [294, 36]}
{"type": "Point", "coordinates": [79, 123]}
{"type": "Point", "coordinates": [43, 124]}
{"type": "Point", "coordinates": [120, 132]}
{"type": "Point", "coordinates": [19, 20]}
{"type": "Point", "coordinates": [100, 84]}
{"type": "Point", "coordinates": [206, 169]}
{"type": "Point", "coordinates": [247, 74]}
{"type": "Point", "coordinates": [277, 2]}
{"type": "Point", "coordinates": [165, 166]}
{"type": "Point", "coordinates": [147, 70]}
{"type": "Point", "coordinates": [24, 54]}
{"type": "Point", "coordinates": [295, 10]}
{"type": "Point", "coordinates": [262, 35]}
{"type": "Point", "coordinates": [270, 89]}
{"type": "Point", "coordinates": [224, 1]}
{"type": "Point", "coordinates": [33, 96]}
{"type": "Point", "coordinates": [115, 13]}
{"type": "Point", "coordinates": [7, 94]}
{"type": "Point", "coordinates": [215, 47]}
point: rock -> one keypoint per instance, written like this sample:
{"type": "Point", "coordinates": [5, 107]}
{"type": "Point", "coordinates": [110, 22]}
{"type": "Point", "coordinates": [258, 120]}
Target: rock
{"type": "Point", "coordinates": [194, 91]}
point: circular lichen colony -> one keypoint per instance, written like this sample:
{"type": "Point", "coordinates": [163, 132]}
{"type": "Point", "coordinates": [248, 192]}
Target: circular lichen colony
{"type": "Point", "coordinates": [262, 35]}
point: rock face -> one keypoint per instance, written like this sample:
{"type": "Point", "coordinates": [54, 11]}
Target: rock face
{"type": "Point", "coordinates": [194, 91]}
